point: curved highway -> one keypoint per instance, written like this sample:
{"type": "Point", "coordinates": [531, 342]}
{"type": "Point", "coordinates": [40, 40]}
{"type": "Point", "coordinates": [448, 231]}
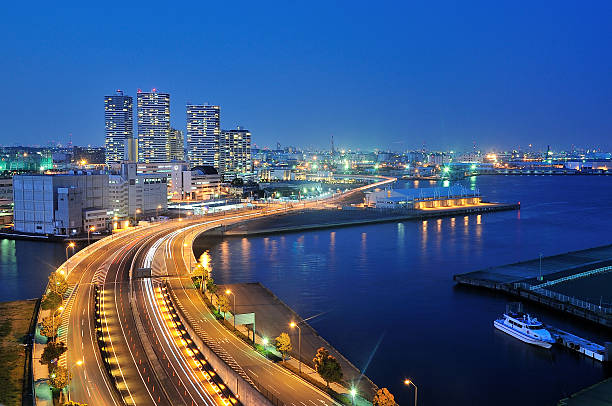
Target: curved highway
{"type": "Point", "coordinates": [135, 351]}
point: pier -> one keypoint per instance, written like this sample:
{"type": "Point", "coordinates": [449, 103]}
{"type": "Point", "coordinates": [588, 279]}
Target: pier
{"type": "Point", "coordinates": [314, 219]}
{"type": "Point", "coordinates": [581, 345]}
{"type": "Point", "coordinates": [575, 282]}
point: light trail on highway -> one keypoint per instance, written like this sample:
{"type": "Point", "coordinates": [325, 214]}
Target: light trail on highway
{"type": "Point", "coordinates": [135, 376]}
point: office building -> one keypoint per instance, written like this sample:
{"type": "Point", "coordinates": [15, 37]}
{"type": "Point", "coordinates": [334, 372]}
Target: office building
{"type": "Point", "coordinates": [203, 132]}
{"type": "Point", "coordinates": [60, 204]}
{"type": "Point", "coordinates": [177, 147]}
{"type": "Point", "coordinates": [235, 154]}
{"type": "Point", "coordinates": [153, 126]}
{"type": "Point", "coordinates": [137, 196]}
{"type": "Point", "coordinates": [118, 124]}
{"type": "Point", "coordinates": [199, 183]}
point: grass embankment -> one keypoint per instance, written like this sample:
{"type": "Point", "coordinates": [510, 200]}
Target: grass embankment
{"type": "Point", "coordinates": [15, 318]}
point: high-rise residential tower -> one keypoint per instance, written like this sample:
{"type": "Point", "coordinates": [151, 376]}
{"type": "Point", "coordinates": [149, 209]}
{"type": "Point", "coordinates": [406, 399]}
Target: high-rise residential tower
{"type": "Point", "coordinates": [177, 147]}
{"type": "Point", "coordinates": [119, 125]}
{"type": "Point", "coordinates": [203, 131]}
{"type": "Point", "coordinates": [235, 154]}
{"type": "Point", "coordinates": [153, 126]}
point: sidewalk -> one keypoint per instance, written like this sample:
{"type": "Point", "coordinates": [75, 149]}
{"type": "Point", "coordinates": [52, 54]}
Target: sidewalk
{"type": "Point", "coordinates": [292, 364]}
{"type": "Point", "coordinates": [41, 372]}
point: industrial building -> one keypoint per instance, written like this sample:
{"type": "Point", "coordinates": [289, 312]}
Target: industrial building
{"type": "Point", "coordinates": [60, 204]}
{"type": "Point", "coordinates": [423, 198]}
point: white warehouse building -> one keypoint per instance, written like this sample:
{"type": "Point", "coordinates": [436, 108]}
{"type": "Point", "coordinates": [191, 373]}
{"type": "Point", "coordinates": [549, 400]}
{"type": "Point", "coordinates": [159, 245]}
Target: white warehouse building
{"type": "Point", "coordinates": [423, 198]}
{"type": "Point", "coordinates": [60, 204]}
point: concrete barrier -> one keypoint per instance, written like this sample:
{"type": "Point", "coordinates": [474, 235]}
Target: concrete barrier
{"type": "Point", "coordinates": [245, 391]}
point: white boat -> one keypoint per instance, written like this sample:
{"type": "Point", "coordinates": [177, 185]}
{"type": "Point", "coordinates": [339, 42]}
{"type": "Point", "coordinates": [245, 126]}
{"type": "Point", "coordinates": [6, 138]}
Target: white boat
{"type": "Point", "coordinates": [525, 328]}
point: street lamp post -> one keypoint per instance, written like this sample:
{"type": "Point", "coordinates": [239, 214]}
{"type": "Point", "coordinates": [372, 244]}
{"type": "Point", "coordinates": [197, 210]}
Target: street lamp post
{"type": "Point", "coordinates": [292, 325]}
{"type": "Point", "coordinates": [229, 292]}
{"type": "Point", "coordinates": [78, 363]}
{"type": "Point", "coordinates": [114, 227]}
{"type": "Point", "coordinates": [70, 245]}
{"type": "Point", "coordinates": [408, 382]}
{"type": "Point", "coordinates": [90, 229]}
{"type": "Point", "coordinates": [540, 278]}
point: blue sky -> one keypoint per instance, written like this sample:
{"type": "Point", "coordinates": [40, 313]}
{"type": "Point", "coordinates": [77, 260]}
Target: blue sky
{"type": "Point", "coordinates": [373, 74]}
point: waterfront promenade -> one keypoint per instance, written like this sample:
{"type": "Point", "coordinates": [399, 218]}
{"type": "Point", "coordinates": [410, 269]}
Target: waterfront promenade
{"type": "Point", "coordinates": [273, 317]}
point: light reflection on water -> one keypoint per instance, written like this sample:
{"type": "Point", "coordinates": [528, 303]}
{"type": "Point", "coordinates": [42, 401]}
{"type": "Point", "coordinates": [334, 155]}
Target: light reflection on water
{"type": "Point", "coordinates": [397, 278]}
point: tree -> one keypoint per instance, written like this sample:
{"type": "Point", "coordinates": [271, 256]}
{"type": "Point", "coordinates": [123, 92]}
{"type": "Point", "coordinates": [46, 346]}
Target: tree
{"type": "Point", "coordinates": [224, 304]}
{"type": "Point", "coordinates": [59, 377]}
{"type": "Point", "coordinates": [283, 344]}
{"type": "Point", "coordinates": [327, 366]}
{"type": "Point", "coordinates": [51, 301]}
{"type": "Point", "coordinates": [202, 269]}
{"type": "Point", "coordinates": [383, 398]}
{"type": "Point", "coordinates": [211, 287]}
{"type": "Point", "coordinates": [237, 182]}
{"type": "Point", "coordinates": [52, 352]}
{"type": "Point", "coordinates": [49, 325]}
{"type": "Point", "coordinates": [198, 276]}
{"type": "Point", "coordinates": [57, 283]}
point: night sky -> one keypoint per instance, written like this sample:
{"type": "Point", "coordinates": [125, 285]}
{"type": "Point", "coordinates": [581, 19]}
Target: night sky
{"type": "Point", "coordinates": [374, 74]}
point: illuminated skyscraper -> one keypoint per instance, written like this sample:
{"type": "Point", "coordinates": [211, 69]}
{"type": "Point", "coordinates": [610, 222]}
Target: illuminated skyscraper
{"type": "Point", "coordinates": [119, 125]}
{"type": "Point", "coordinates": [203, 131]}
{"type": "Point", "coordinates": [153, 126]}
{"type": "Point", "coordinates": [235, 154]}
{"type": "Point", "coordinates": [177, 148]}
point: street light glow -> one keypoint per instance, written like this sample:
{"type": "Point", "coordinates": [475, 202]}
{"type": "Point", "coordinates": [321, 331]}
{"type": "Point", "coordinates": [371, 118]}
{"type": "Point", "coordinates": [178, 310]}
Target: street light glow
{"type": "Point", "coordinates": [292, 324]}
{"type": "Point", "coordinates": [228, 292]}
{"type": "Point", "coordinates": [264, 341]}
{"type": "Point", "coordinates": [407, 382]}
{"type": "Point", "coordinates": [79, 362]}
{"type": "Point", "coordinates": [71, 244]}
{"type": "Point", "coordinates": [353, 392]}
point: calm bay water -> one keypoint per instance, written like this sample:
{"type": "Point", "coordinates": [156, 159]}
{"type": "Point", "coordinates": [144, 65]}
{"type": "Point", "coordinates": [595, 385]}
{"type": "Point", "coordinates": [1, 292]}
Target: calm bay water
{"type": "Point", "coordinates": [25, 267]}
{"type": "Point", "coordinates": [387, 295]}
{"type": "Point", "coordinates": [390, 304]}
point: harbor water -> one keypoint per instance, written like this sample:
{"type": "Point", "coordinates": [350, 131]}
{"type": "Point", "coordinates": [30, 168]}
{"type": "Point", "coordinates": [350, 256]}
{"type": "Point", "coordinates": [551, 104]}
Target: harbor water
{"type": "Point", "coordinates": [386, 299]}
{"type": "Point", "coordinates": [384, 296]}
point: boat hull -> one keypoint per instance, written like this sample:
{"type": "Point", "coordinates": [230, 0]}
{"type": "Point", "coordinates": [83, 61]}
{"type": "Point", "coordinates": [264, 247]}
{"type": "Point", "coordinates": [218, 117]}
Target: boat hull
{"type": "Point", "coordinates": [523, 337]}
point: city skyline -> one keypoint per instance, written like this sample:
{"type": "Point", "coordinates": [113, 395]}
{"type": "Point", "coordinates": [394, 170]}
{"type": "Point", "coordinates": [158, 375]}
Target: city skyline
{"type": "Point", "coordinates": [450, 77]}
{"type": "Point", "coordinates": [315, 203]}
